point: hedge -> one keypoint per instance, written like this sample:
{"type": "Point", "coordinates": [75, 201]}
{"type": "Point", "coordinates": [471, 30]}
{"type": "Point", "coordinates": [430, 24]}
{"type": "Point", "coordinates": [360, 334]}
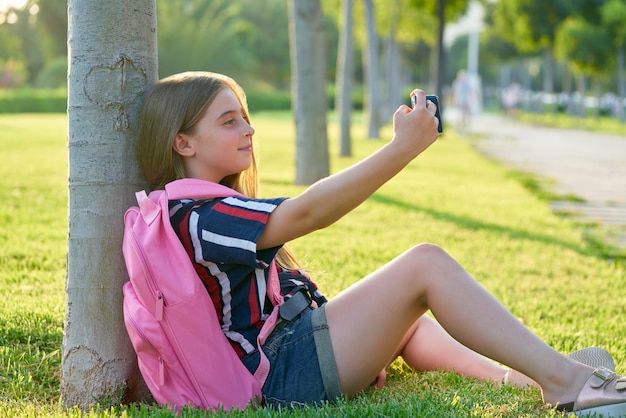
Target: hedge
{"type": "Point", "coordinates": [33, 100]}
{"type": "Point", "coordinates": [28, 100]}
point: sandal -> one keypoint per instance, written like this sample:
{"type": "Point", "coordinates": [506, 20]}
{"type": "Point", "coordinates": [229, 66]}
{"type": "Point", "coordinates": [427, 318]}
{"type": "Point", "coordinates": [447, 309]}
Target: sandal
{"type": "Point", "coordinates": [595, 357]}
{"type": "Point", "coordinates": [604, 393]}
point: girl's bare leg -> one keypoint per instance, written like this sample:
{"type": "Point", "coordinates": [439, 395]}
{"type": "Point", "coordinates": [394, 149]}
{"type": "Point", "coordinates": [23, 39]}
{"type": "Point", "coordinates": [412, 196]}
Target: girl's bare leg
{"type": "Point", "coordinates": [369, 320]}
{"type": "Point", "coordinates": [427, 346]}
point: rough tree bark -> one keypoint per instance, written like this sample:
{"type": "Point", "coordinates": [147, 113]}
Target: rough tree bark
{"type": "Point", "coordinates": [112, 62]}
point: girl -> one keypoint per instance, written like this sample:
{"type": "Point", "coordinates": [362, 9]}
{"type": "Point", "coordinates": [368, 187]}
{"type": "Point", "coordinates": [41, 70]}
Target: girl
{"type": "Point", "coordinates": [196, 125]}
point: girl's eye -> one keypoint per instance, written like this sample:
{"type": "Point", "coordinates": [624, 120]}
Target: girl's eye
{"type": "Point", "coordinates": [229, 122]}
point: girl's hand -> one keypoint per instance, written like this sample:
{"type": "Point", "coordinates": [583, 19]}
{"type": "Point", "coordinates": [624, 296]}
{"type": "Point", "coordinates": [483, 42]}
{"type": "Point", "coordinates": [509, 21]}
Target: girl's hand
{"type": "Point", "coordinates": [416, 129]}
{"type": "Point", "coordinates": [380, 380]}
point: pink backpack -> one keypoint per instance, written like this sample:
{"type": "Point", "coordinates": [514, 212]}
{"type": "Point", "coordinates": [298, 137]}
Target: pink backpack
{"type": "Point", "coordinates": [183, 355]}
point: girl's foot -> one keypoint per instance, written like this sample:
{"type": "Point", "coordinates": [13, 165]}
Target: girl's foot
{"type": "Point", "coordinates": [604, 393]}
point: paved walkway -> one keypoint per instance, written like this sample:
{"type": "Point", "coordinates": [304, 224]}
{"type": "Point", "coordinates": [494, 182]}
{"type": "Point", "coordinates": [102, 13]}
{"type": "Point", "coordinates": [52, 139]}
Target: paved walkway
{"type": "Point", "coordinates": [589, 165]}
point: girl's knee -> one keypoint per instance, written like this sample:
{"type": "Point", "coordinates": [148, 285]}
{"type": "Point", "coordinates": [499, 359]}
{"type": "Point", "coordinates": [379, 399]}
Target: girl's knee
{"type": "Point", "coordinates": [432, 260]}
{"type": "Point", "coordinates": [428, 252]}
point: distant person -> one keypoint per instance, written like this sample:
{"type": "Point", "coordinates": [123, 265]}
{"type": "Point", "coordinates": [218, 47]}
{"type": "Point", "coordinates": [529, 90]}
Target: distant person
{"type": "Point", "coordinates": [511, 98]}
{"type": "Point", "coordinates": [197, 125]}
{"type": "Point", "coordinates": [462, 97]}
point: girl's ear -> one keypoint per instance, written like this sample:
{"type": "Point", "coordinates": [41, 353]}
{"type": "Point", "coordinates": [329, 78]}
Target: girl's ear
{"type": "Point", "coordinates": [182, 145]}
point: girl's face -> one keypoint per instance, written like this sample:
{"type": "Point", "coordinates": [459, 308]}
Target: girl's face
{"type": "Point", "coordinates": [222, 142]}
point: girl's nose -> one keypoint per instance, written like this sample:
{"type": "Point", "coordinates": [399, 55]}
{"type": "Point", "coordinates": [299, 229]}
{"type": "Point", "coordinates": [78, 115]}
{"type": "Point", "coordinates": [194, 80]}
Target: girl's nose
{"type": "Point", "coordinates": [250, 130]}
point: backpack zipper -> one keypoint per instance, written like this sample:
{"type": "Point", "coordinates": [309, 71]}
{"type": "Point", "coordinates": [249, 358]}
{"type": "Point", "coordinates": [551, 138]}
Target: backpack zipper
{"type": "Point", "coordinates": [152, 348]}
{"type": "Point", "coordinates": [156, 292]}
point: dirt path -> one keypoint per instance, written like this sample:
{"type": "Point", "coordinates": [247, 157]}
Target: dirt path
{"type": "Point", "coordinates": [589, 165]}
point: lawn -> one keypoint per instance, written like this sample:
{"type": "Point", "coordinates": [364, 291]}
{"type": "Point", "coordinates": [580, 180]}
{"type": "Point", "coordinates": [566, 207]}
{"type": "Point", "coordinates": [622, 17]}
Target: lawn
{"type": "Point", "coordinates": [538, 264]}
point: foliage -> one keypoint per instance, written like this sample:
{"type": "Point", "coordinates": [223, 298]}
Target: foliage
{"type": "Point", "coordinates": [11, 43]}
{"type": "Point", "coordinates": [613, 15]}
{"type": "Point", "coordinates": [538, 264]}
{"type": "Point", "coordinates": [52, 25]}
{"type": "Point", "coordinates": [54, 74]}
{"type": "Point", "coordinates": [30, 46]}
{"type": "Point", "coordinates": [200, 35]}
{"type": "Point", "coordinates": [233, 37]}
{"type": "Point", "coordinates": [12, 73]}
{"type": "Point", "coordinates": [272, 60]}
{"type": "Point", "coordinates": [531, 25]}
{"type": "Point", "coordinates": [587, 47]}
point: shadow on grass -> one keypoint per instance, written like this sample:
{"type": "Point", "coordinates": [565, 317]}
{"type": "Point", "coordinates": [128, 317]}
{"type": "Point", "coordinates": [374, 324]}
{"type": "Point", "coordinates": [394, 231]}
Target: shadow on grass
{"type": "Point", "coordinates": [476, 224]}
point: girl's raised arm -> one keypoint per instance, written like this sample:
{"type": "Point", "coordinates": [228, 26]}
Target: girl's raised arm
{"type": "Point", "coordinates": [329, 199]}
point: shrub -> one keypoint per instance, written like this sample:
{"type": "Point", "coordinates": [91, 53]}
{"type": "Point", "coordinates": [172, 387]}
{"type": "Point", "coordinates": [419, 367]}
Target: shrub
{"type": "Point", "coordinates": [29, 100]}
{"type": "Point", "coordinates": [53, 75]}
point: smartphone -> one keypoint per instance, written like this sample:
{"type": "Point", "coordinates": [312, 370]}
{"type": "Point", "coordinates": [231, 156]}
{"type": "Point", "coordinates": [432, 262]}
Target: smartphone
{"type": "Point", "coordinates": [433, 98]}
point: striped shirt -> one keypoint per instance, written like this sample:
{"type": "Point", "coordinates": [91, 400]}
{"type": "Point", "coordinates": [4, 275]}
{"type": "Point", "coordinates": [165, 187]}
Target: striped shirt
{"type": "Point", "coordinates": [220, 236]}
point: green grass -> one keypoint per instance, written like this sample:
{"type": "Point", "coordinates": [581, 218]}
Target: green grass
{"type": "Point", "coordinates": [537, 263]}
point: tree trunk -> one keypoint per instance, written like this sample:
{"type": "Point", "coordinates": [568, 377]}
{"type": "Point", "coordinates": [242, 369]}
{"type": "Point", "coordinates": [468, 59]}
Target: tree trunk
{"type": "Point", "coordinates": [394, 94]}
{"type": "Point", "coordinates": [597, 91]}
{"type": "Point", "coordinates": [581, 86]}
{"type": "Point", "coordinates": [394, 66]}
{"type": "Point", "coordinates": [621, 85]}
{"type": "Point", "coordinates": [112, 63]}
{"type": "Point", "coordinates": [441, 57]}
{"type": "Point", "coordinates": [370, 69]}
{"type": "Point", "coordinates": [343, 83]}
{"type": "Point", "coordinates": [548, 73]}
{"type": "Point", "coordinates": [548, 77]}
{"type": "Point", "coordinates": [308, 66]}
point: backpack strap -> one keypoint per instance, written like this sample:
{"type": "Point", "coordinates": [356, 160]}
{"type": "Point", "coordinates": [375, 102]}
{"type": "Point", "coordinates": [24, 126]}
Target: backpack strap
{"type": "Point", "coordinates": [195, 189]}
{"type": "Point", "coordinates": [270, 323]}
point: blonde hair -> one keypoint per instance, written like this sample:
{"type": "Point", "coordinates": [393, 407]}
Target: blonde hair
{"type": "Point", "coordinates": [175, 105]}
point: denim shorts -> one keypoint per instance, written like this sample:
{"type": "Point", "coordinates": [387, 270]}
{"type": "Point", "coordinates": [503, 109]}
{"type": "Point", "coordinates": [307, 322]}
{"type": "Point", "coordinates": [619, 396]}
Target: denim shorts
{"type": "Point", "coordinates": [302, 363]}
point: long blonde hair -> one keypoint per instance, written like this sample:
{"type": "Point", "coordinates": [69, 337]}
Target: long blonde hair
{"type": "Point", "coordinates": [175, 105]}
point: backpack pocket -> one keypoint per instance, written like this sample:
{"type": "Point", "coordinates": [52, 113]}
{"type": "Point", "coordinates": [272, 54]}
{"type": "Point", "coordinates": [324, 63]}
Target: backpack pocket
{"type": "Point", "coordinates": [160, 367]}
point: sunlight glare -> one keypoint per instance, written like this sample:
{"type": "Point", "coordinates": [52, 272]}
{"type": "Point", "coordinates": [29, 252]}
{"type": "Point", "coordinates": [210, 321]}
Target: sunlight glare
{"type": "Point", "coordinates": [17, 4]}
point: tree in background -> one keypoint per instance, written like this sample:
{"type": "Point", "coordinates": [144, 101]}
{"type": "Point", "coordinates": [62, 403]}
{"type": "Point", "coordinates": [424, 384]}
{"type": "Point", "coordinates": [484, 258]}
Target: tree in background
{"type": "Point", "coordinates": [51, 28]}
{"type": "Point", "coordinates": [272, 64]}
{"type": "Point", "coordinates": [440, 12]}
{"type": "Point", "coordinates": [41, 29]}
{"type": "Point", "coordinates": [309, 102]}
{"type": "Point", "coordinates": [586, 44]}
{"type": "Point", "coordinates": [202, 35]}
{"type": "Point", "coordinates": [20, 23]}
{"type": "Point", "coordinates": [531, 25]}
{"type": "Point", "coordinates": [497, 50]}
{"type": "Point", "coordinates": [12, 61]}
{"type": "Point", "coordinates": [372, 112]}
{"type": "Point", "coordinates": [112, 63]}
{"type": "Point", "coordinates": [613, 14]}
{"type": "Point", "coordinates": [344, 76]}
{"type": "Point", "coordinates": [393, 57]}
{"type": "Point", "coordinates": [52, 24]}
